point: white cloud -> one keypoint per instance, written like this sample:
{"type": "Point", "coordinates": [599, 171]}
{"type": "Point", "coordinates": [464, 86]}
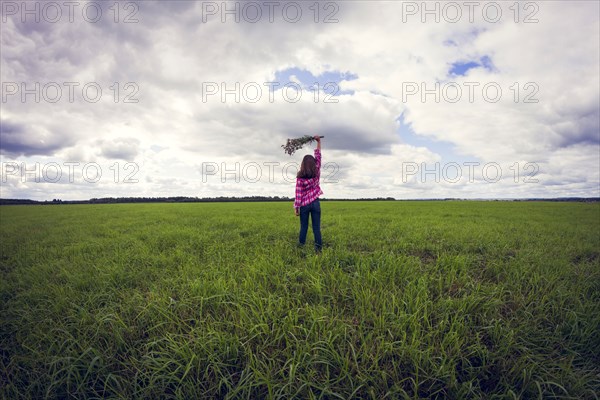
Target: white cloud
{"type": "Point", "coordinates": [170, 55]}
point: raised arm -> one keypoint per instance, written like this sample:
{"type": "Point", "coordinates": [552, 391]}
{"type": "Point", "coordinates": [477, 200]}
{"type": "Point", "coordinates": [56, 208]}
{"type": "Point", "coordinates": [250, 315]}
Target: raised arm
{"type": "Point", "coordinates": [318, 156]}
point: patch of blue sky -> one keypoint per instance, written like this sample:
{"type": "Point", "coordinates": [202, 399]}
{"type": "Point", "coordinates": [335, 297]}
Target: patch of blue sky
{"type": "Point", "coordinates": [461, 68]}
{"type": "Point", "coordinates": [445, 149]}
{"type": "Point", "coordinates": [327, 81]}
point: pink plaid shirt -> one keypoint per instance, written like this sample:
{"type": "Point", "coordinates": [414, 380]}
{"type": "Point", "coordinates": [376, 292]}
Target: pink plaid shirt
{"type": "Point", "coordinates": [308, 190]}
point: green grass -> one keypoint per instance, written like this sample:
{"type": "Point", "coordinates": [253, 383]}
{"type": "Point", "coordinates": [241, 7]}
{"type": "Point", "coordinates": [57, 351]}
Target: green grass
{"type": "Point", "coordinates": [407, 300]}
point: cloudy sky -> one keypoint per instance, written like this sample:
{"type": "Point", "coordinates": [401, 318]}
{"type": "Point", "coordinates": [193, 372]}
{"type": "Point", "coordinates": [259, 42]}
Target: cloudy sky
{"type": "Point", "coordinates": [193, 98]}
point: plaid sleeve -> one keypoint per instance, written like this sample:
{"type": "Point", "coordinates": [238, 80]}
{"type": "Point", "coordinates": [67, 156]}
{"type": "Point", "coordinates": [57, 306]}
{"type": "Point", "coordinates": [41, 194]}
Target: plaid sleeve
{"type": "Point", "coordinates": [318, 162]}
{"type": "Point", "coordinates": [298, 194]}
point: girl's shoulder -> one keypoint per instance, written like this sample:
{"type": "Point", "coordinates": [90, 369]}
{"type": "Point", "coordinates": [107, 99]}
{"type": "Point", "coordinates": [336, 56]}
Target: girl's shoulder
{"type": "Point", "coordinates": [304, 181]}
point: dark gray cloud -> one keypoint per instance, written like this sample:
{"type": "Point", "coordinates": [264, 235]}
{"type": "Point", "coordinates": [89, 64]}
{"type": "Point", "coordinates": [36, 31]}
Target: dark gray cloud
{"type": "Point", "coordinates": [122, 148]}
{"type": "Point", "coordinates": [585, 129]}
{"type": "Point", "coordinates": [353, 139]}
{"type": "Point", "coordinates": [25, 139]}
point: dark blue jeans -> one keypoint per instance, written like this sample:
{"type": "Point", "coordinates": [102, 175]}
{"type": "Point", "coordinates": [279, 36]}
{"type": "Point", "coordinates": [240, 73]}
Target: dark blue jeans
{"type": "Point", "coordinates": [314, 210]}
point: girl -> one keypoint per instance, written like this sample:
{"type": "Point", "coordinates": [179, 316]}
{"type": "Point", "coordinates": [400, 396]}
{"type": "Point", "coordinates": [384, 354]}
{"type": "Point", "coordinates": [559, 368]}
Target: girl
{"type": "Point", "coordinates": [307, 196]}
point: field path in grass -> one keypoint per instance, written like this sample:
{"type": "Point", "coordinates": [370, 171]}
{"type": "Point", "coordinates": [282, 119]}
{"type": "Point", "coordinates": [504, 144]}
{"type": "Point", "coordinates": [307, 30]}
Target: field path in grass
{"type": "Point", "coordinates": [214, 300]}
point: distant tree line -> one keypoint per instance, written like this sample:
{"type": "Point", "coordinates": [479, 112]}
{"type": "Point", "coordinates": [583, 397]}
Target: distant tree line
{"type": "Point", "coordinates": [228, 199]}
{"type": "Point", "coordinates": [175, 199]}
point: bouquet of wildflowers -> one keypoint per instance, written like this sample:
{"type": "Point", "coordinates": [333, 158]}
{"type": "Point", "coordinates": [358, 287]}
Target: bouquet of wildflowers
{"type": "Point", "coordinates": [296, 144]}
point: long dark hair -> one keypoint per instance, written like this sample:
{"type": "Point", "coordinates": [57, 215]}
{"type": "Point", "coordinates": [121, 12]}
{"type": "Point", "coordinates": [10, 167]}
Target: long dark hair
{"type": "Point", "coordinates": [308, 168]}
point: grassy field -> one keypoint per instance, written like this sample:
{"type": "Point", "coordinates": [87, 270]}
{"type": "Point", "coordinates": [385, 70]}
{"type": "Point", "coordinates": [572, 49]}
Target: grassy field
{"type": "Point", "coordinates": [214, 300]}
